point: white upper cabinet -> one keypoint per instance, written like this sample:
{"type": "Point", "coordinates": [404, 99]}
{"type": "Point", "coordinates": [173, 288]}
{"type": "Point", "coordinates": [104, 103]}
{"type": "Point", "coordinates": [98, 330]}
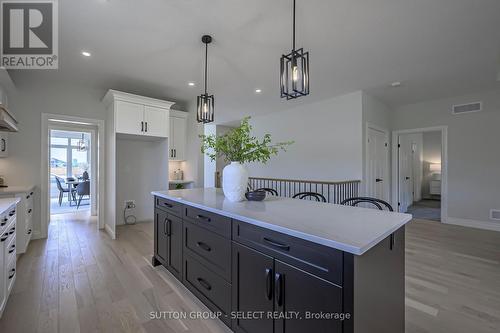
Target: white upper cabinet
{"type": "Point", "coordinates": [129, 118]}
{"type": "Point", "coordinates": [156, 122]}
{"type": "Point", "coordinates": [139, 115]}
{"type": "Point", "coordinates": [178, 135]}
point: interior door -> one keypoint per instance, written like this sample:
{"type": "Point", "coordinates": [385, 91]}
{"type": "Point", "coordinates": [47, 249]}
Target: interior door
{"type": "Point", "coordinates": [129, 117]}
{"type": "Point", "coordinates": [299, 291]}
{"type": "Point", "coordinates": [405, 177]}
{"type": "Point", "coordinates": [156, 121]}
{"type": "Point", "coordinates": [377, 184]}
{"type": "Point", "coordinates": [253, 274]}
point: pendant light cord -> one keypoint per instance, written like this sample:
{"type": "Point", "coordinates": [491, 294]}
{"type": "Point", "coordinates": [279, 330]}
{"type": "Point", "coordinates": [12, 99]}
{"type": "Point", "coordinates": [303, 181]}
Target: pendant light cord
{"type": "Point", "coordinates": [206, 66]}
{"type": "Point", "coordinates": [293, 28]}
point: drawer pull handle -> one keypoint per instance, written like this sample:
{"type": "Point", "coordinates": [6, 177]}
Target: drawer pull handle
{"type": "Point", "coordinates": [4, 238]}
{"type": "Point", "coordinates": [13, 272]}
{"type": "Point", "coordinates": [204, 246]}
{"type": "Point", "coordinates": [29, 211]}
{"type": "Point", "coordinates": [27, 197]}
{"type": "Point", "coordinates": [12, 231]}
{"type": "Point", "coordinates": [31, 193]}
{"type": "Point", "coordinates": [269, 283]}
{"type": "Point", "coordinates": [12, 213]}
{"type": "Point", "coordinates": [204, 283]}
{"type": "Point", "coordinates": [29, 232]}
{"type": "Point", "coordinates": [168, 205]}
{"type": "Point", "coordinates": [204, 218]}
{"type": "Point", "coordinates": [276, 244]}
{"type": "Point", "coordinates": [3, 223]}
{"type": "Point", "coordinates": [12, 248]}
{"type": "Point", "coordinates": [278, 287]}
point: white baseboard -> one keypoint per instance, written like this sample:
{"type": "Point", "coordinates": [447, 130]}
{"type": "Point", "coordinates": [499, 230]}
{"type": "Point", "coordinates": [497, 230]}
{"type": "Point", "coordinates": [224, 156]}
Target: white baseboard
{"type": "Point", "coordinates": [495, 226]}
{"type": "Point", "coordinates": [110, 232]}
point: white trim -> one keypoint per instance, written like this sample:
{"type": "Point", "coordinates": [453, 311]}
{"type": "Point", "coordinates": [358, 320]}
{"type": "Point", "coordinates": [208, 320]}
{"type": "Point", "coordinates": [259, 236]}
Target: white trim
{"type": "Point", "coordinates": [110, 231]}
{"type": "Point", "coordinates": [46, 117]}
{"type": "Point", "coordinates": [444, 165]}
{"type": "Point", "coordinates": [115, 95]}
{"type": "Point", "coordinates": [387, 185]}
{"type": "Point", "coordinates": [473, 223]}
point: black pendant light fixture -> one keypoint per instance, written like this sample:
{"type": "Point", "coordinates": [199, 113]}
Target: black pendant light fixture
{"type": "Point", "coordinates": [205, 101]}
{"type": "Point", "coordinates": [82, 144]}
{"type": "Point", "coordinates": [294, 70]}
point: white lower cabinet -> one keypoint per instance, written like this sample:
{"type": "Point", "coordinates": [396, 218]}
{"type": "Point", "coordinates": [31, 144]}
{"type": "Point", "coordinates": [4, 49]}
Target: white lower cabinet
{"type": "Point", "coordinates": [7, 254]}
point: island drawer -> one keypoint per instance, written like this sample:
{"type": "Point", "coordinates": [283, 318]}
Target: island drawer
{"type": "Point", "coordinates": [316, 259]}
{"type": "Point", "coordinates": [213, 250]}
{"type": "Point", "coordinates": [210, 221]}
{"type": "Point", "coordinates": [213, 290]}
{"type": "Point", "coordinates": [170, 206]}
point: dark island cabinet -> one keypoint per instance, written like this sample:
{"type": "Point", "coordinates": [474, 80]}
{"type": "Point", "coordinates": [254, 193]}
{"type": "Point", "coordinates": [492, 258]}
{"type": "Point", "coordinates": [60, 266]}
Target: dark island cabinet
{"type": "Point", "coordinates": [168, 241]}
{"type": "Point", "coordinates": [280, 298]}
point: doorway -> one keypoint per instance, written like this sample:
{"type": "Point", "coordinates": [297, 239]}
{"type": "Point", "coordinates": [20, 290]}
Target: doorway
{"type": "Point", "coordinates": [420, 172]}
{"type": "Point", "coordinates": [72, 168]}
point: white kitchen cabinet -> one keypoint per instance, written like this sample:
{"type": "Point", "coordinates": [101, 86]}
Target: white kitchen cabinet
{"type": "Point", "coordinates": [4, 144]}
{"type": "Point", "coordinates": [7, 251]}
{"type": "Point", "coordinates": [138, 115]}
{"type": "Point", "coordinates": [178, 135]}
{"type": "Point", "coordinates": [435, 187]}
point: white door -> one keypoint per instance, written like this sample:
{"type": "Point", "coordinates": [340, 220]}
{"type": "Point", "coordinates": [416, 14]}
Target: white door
{"type": "Point", "coordinates": [179, 138]}
{"type": "Point", "coordinates": [405, 176]}
{"type": "Point", "coordinates": [156, 121]}
{"type": "Point", "coordinates": [377, 180]}
{"type": "Point", "coordinates": [129, 118]}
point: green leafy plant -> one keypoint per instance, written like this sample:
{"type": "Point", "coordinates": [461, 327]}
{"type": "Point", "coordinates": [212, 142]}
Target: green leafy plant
{"type": "Point", "coordinates": [238, 145]}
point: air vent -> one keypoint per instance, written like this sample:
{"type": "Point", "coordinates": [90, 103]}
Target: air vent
{"type": "Point", "coordinates": [466, 108]}
{"type": "Point", "coordinates": [495, 214]}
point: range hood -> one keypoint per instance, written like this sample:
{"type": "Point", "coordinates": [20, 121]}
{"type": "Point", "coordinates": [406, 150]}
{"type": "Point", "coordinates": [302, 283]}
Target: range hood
{"type": "Point", "coordinates": [7, 121]}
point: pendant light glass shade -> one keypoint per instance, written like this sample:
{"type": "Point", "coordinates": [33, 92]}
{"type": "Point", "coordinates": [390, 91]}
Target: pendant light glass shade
{"type": "Point", "coordinates": [82, 145]}
{"type": "Point", "coordinates": [294, 70]}
{"type": "Point", "coordinates": [205, 102]}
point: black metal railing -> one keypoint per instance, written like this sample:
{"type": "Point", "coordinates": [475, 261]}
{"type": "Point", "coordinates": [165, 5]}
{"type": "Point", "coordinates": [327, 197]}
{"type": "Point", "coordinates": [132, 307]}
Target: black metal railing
{"type": "Point", "coordinates": [334, 192]}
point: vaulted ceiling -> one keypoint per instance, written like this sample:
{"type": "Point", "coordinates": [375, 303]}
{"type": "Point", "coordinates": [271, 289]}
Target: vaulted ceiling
{"type": "Point", "coordinates": [436, 48]}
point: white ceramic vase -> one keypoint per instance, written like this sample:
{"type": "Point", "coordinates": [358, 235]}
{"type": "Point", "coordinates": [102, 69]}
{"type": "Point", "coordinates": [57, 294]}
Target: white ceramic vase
{"type": "Point", "coordinates": [234, 181]}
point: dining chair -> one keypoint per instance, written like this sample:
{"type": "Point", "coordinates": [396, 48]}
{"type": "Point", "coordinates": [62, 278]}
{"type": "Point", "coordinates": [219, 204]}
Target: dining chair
{"type": "Point", "coordinates": [312, 195]}
{"type": "Point", "coordinates": [82, 189]}
{"type": "Point", "coordinates": [63, 190]}
{"type": "Point", "coordinates": [272, 191]}
{"type": "Point", "coordinates": [374, 201]}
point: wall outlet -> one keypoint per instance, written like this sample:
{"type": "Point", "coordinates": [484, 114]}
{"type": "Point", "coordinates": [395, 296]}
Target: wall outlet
{"type": "Point", "coordinates": [129, 204]}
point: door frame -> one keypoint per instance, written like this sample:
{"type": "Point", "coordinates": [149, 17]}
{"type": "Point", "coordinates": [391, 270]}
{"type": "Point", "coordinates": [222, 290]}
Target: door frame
{"type": "Point", "coordinates": [444, 165]}
{"type": "Point", "coordinates": [387, 185]}
{"type": "Point", "coordinates": [45, 167]}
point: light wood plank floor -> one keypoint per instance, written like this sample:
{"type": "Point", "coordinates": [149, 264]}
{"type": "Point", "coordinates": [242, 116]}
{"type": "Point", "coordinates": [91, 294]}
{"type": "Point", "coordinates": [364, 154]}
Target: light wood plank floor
{"type": "Point", "coordinates": [78, 280]}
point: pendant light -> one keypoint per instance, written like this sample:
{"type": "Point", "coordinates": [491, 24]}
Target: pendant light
{"type": "Point", "coordinates": [294, 70]}
{"type": "Point", "coordinates": [205, 102]}
{"type": "Point", "coordinates": [82, 145]}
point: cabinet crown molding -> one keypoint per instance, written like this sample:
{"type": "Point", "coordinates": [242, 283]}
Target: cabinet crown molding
{"type": "Point", "coordinates": [115, 95]}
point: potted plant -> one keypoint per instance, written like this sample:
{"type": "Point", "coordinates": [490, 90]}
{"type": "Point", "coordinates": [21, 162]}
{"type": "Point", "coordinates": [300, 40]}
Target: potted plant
{"type": "Point", "coordinates": [238, 147]}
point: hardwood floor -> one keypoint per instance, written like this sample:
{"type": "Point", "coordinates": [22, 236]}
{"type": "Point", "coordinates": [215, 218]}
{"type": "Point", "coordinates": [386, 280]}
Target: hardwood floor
{"type": "Point", "coordinates": [78, 280]}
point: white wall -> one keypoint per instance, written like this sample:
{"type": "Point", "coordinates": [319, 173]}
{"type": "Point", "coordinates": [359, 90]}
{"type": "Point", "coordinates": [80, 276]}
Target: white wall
{"type": "Point", "coordinates": [431, 154]}
{"type": "Point", "coordinates": [138, 174]}
{"type": "Point", "coordinates": [328, 140]}
{"type": "Point", "coordinates": [473, 153]}
{"type": "Point", "coordinates": [193, 167]}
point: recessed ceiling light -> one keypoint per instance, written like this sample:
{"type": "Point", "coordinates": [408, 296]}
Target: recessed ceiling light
{"type": "Point", "coordinates": [86, 53]}
{"type": "Point", "coordinates": [396, 84]}
{"type": "Point", "coordinates": [258, 91]}
{"type": "Point", "coordinates": [191, 84]}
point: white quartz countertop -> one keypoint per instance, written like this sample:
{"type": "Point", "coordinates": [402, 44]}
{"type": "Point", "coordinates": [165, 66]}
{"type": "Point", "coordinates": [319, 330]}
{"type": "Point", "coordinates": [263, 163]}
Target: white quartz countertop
{"type": "Point", "coordinates": [351, 229]}
{"type": "Point", "coordinates": [16, 189]}
{"type": "Point", "coordinates": [6, 203]}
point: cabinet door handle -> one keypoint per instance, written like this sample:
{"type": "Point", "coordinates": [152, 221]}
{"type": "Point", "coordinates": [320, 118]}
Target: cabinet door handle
{"type": "Point", "coordinates": [276, 244]}
{"type": "Point", "coordinates": [12, 231]}
{"type": "Point", "coordinates": [29, 232]}
{"type": "Point", "coordinates": [204, 283]}
{"type": "Point", "coordinates": [167, 228]}
{"type": "Point", "coordinates": [146, 126]}
{"type": "Point", "coordinates": [392, 241]}
{"type": "Point", "coordinates": [204, 246]}
{"type": "Point", "coordinates": [31, 193]}
{"type": "Point", "coordinates": [12, 248]}
{"type": "Point", "coordinates": [175, 152]}
{"type": "Point", "coordinates": [4, 145]}
{"type": "Point", "coordinates": [278, 288]}
{"type": "Point", "coordinates": [13, 272]}
{"type": "Point", "coordinates": [269, 283]}
{"type": "Point", "coordinates": [142, 126]}
{"type": "Point", "coordinates": [27, 197]}
{"type": "Point", "coordinates": [204, 218]}
{"type": "Point", "coordinates": [29, 211]}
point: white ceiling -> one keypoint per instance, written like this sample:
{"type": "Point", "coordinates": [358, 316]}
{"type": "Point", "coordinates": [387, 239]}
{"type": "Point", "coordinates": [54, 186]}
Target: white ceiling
{"type": "Point", "coordinates": [436, 48]}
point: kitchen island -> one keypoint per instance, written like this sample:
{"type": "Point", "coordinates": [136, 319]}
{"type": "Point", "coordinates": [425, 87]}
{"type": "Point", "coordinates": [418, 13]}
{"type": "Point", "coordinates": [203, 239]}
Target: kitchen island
{"type": "Point", "coordinates": [285, 265]}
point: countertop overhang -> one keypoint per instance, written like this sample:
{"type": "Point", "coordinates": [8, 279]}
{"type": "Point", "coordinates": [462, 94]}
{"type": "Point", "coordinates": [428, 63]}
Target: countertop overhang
{"type": "Point", "coordinates": [351, 229]}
